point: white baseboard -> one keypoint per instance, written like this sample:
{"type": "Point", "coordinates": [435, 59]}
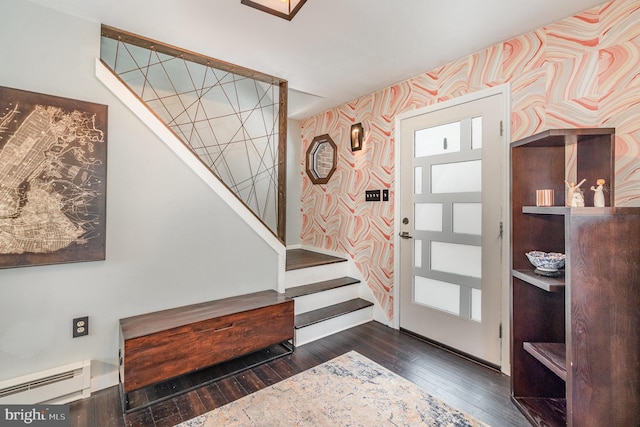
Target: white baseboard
{"type": "Point", "coordinates": [100, 382]}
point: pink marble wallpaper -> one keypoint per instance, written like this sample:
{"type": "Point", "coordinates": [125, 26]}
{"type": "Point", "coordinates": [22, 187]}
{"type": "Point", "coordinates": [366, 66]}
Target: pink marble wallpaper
{"type": "Point", "coordinates": [583, 71]}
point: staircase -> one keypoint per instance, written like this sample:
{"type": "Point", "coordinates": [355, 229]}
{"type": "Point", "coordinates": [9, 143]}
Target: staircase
{"type": "Point", "coordinates": [327, 300]}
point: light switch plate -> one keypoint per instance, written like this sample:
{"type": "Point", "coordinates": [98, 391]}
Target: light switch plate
{"type": "Point", "coordinates": [372, 195]}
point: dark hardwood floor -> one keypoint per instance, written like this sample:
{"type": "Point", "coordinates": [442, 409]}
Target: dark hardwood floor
{"type": "Point", "coordinates": [466, 385]}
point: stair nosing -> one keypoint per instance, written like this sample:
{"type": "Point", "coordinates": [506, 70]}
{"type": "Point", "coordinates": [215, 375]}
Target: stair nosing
{"type": "Point", "coordinates": [315, 317]}
{"type": "Point", "coordinates": [317, 287]}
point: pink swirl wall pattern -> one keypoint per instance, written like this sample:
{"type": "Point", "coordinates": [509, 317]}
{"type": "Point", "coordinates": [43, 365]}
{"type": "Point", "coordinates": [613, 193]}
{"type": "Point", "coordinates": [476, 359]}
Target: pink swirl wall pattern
{"type": "Point", "coordinates": [583, 71]}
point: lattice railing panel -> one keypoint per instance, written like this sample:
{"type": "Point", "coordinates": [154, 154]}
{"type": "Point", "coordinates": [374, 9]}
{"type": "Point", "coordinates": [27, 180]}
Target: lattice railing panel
{"type": "Point", "coordinates": [230, 119]}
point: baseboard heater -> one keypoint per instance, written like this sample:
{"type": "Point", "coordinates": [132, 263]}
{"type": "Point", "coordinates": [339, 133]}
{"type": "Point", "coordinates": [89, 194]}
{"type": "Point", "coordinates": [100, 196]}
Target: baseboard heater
{"type": "Point", "coordinates": [59, 385]}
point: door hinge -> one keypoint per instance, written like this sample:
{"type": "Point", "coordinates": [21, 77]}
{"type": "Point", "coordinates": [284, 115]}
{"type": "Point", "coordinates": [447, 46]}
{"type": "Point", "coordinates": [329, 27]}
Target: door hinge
{"type": "Point", "coordinates": [500, 331]}
{"type": "Point", "coordinates": [501, 229]}
{"type": "Point", "coordinates": [501, 127]}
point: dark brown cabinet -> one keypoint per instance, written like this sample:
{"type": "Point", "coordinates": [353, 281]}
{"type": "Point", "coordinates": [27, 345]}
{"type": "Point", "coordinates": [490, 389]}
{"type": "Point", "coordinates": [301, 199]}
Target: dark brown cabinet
{"type": "Point", "coordinates": [574, 338]}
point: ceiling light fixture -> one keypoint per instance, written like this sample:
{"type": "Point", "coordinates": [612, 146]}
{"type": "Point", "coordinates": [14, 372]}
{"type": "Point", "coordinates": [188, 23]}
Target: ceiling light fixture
{"type": "Point", "coordinates": [285, 9]}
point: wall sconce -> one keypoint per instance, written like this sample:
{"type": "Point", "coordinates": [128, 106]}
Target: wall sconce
{"type": "Point", "coordinates": [357, 133]}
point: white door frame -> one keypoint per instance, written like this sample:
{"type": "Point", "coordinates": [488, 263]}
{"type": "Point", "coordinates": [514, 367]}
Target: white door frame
{"type": "Point", "coordinates": [505, 90]}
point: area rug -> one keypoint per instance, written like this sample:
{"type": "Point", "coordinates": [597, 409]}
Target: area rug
{"type": "Point", "coordinates": [349, 390]}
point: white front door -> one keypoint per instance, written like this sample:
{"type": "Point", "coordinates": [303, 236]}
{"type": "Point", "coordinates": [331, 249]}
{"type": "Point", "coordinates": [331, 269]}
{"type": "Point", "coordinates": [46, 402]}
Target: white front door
{"type": "Point", "coordinates": [451, 190]}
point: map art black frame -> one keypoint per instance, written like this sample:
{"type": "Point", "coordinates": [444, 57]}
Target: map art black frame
{"type": "Point", "coordinates": [53, 179]}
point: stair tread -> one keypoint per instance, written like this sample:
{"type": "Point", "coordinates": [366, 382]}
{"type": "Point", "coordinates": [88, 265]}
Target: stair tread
{"type": "Point", "coordinates": [302, 258]}
{"type": "Point", "coordinates": [316, 287]}
{"type": "Point", "coordinates": [325, 313]}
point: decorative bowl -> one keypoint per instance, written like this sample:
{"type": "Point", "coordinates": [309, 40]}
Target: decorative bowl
{"type": "Point", "coordinates": [546, 261]}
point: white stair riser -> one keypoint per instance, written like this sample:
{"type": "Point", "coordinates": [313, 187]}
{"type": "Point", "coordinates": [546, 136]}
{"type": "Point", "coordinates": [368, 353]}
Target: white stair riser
{"type": "Point", "coordinates": [331, 326]}
{"type": "Point", "coordinates": [304, 276]}
{"type": "Point", "coordinates": [323, 299]}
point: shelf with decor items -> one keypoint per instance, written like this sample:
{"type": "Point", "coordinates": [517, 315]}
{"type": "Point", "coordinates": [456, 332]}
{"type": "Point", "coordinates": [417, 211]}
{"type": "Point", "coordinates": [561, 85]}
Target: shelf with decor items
{"type": "Point", "coordinates": [574, 343]}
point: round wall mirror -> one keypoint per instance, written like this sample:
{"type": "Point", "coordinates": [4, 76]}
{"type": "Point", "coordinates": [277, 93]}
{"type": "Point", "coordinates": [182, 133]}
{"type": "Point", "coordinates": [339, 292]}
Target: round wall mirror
{"type": "Point", "coordinates": [322, 157]}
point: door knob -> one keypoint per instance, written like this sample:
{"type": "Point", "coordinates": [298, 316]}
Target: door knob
{"type": "Point", "coordinates": [405, 235]}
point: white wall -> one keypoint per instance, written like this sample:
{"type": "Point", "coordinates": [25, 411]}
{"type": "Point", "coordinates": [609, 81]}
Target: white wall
{"type": "Point", "coordinates": [170, 240]}
{"type": "Point", "coordinates": [294, 182]}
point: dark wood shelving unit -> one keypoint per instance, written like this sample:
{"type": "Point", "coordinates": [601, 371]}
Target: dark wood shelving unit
{"type": "Point", "coordinates": [574, 343]}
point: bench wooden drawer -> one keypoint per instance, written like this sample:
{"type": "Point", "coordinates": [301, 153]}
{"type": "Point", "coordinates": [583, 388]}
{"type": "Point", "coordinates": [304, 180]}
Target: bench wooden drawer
{"type": "Point", "coordinates": [198, 341]}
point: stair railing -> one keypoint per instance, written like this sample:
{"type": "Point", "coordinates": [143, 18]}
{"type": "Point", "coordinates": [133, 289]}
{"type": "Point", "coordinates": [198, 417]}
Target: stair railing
{"type": "Point", "coordinates": [233, 119]}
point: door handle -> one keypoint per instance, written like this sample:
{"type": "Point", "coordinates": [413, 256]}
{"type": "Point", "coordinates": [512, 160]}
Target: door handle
{"type": "Point", "coordinates": [405, 235]}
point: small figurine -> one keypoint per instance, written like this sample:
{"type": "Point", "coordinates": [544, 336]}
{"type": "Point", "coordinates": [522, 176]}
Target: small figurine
{"type": "Point", "coordinates": [574, 194]}
{"type": "Point", "coordinates": [578, 199]}
{"type": "Point", "coordinates": [598, 196]}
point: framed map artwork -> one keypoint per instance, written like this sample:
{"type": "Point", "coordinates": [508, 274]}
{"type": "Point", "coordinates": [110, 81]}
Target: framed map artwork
{"type": "Point", "coordinates": [53, 177]}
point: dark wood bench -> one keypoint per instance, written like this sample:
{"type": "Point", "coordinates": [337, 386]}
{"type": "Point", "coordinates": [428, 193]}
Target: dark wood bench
{"type": "Point", "coordinates": [165, 344]}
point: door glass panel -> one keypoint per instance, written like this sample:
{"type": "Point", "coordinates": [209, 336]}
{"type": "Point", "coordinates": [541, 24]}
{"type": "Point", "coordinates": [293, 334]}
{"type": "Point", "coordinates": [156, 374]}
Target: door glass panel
{"type": "Point", "coordinates": [476, 305]}
{"type": "Point", "coordinates": [418, 180]}
{"type": "Point", "coordinates": [465, 260]}
{"type": "Point", "coordinates": [428, 216]}
{"type": "Point", "coordinates": [460, 177]}
{"type": "Point", "coordinates": [476, 133]}
{"type": "Point", "coordinates": [438, 140]}
{"type": "Point", "coordinates": [467, 218]}
{"type": "Point", "coordinates": [434, 293]}
{"type": "Point", "coordinates": [417, 251]}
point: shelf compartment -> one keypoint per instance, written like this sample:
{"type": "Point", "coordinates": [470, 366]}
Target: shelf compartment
{"type": "Point", "coordinates": [543, 411]}
{"type": "Point", "coordinates": [550, 354]}
{"type": "Point", "coordinates": [549, 284]}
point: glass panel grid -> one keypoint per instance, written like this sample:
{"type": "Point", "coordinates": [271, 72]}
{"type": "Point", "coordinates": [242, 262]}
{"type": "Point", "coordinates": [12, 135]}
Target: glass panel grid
{"type": "Point", "coordinates": [428, 216]}
{"type": "Point", "coordinates": [418, 180]}
{"type": "Point", "coordinates": [443, 209]}
{"type": "Point", "coordinates": [437, 294]}
{"type": "Point", "coordinates": [476, 305]}
{"type": "Point", "coordinates": [467, 218]}
{"type": "Point", "coordinates": [459, 177]}
{"type": "Point", "coordinates": [437, 140]}
{"type": "Point", "coordinates": [454, 258]}
{"type": "Point", "coordinates": [476, 133]}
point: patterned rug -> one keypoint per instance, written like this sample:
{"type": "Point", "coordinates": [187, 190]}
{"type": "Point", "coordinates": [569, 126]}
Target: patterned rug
{"type": "Point", "coordinates": [349, 390]}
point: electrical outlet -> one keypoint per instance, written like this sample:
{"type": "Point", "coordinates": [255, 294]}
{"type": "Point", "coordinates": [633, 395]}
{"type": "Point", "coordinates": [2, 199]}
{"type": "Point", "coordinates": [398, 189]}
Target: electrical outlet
{"type": "Point", "coordinates": [385, 195]}
{"type": "Point", "coordinates": [372, 195]}
{"type": "Point", "coordinates": [80, 326]}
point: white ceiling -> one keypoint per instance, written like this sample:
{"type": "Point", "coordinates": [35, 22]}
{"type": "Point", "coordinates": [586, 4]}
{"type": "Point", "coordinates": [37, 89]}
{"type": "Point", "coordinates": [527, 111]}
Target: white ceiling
{"type": "Point", "coordinates": [333, 51]}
